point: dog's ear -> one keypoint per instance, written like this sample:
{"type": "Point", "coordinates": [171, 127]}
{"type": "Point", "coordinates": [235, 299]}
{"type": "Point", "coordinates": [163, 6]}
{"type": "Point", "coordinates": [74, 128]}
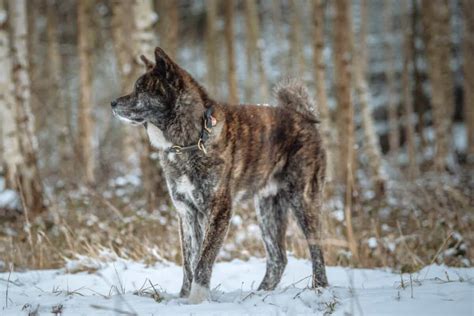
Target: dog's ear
{"type": "Point", "coordinates": [148, 63]}
{"type": "Point", "coordinates": [165, 66]}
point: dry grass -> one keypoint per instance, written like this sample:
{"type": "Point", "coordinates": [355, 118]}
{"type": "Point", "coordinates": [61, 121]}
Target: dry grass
{"type": "Point", "coordinates": [426, 221]}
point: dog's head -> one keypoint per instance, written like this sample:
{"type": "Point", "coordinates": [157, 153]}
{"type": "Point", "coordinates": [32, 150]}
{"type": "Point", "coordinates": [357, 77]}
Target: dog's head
{"type": "Point", "coordinates": [156, 93]}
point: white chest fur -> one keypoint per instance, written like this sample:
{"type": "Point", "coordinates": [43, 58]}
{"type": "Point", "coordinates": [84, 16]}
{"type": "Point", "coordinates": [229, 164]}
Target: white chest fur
{"type": "Point", "coordinates": [157, 139]}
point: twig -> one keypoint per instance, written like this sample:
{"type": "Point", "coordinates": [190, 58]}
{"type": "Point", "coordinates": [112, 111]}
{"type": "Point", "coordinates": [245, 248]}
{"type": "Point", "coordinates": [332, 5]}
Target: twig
{"type": "Point", "coordinates": [293, 284]}
{"type": "Point", "coordinates": [437, 253]}
{"type": "Point", "coordinates": [411, 285]}
{"type": "Point", "coordinates": [122, 288]}
{"type": "Point", "coordinates": [247, 296]}
{"type": "Point", "coordinates": [158, 297]}
{"type": "Point", "coordinates": [12, 282]}
{"type": "Point", "coordinates": [414, 256]}
{"type": "Point", "coordinates": [116, 310]}
{"type": "Point", "coordinates": [106, 202]}
{"type": "Point", "coordinates": [8, 283]}
{"type": "Point", "coordinates": [299, 293]}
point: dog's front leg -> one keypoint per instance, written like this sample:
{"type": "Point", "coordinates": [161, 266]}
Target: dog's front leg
{"type": "Point", "coordinates": [191, 233]}
{"type": "Point", "coordinates": [186, 252]}
{"type": "Point", "coordinates": [216, 231]}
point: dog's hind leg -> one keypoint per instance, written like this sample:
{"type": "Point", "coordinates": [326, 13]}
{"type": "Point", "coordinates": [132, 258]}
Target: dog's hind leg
{"type": "Point", "coordinates": [307, 207]}
{"type": "Point", "coordinates": [273, 219]}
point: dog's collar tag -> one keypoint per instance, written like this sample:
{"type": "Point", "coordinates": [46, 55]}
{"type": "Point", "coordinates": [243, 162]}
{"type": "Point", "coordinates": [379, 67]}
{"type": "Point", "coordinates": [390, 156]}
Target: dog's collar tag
{"type": "Point", "coordinates": [213, 121]}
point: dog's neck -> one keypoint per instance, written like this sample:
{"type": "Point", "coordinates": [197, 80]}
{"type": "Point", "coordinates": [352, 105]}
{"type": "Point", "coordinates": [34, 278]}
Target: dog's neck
{"type": "Point", "coordinates": [184, 129]}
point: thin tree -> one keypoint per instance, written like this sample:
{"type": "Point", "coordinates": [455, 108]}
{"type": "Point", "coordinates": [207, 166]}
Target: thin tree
{"type": "Point", "coordinates": [229, 41]}
{"type": "Point", "coordinates": [435, 18]}
{"type": "Point", "coordinates": [12, 157]}
{"type": "Point", "coordinates": [342, 72]}
{"type": "Point", "coordinates": [468, 70]}
{"type": "Point", "coordinates": [371, 144]}
{"type": "Point", "coordinates": [62, 134]}
{"type": "Point", "coordinates": [211, 49]}
{"type": "Point", "coordinates": [296, 58]}
{"type": "Point", "coordinates": [393, 130]}
{"type": "Point", "coordinates": [85, 119]}
{"type": "Point", "coordinates": [143, 44]}
{"type": "Point", "coordinates": [254, 53]}
{"type": "Point", "coordinates": [169, 26]}
{"type": "Point", "coordinates": [420, 100]}
{"type": "Point", "coordinates": [121, 27]}
{"type": "Point", "coordinates": [407, 95]}
{"type": "Point", "coordinates": [319, 10]}
{"type": "Point", "coordinates": [25, 177]}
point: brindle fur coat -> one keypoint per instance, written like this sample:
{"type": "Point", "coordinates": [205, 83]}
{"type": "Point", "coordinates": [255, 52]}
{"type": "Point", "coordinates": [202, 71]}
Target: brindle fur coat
{"type": "Point", "coordinates": [272, 154]}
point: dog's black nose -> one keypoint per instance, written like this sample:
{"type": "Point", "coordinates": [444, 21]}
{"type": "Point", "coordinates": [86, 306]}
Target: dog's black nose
{"type": "Point", "coordinates": [113, 103]}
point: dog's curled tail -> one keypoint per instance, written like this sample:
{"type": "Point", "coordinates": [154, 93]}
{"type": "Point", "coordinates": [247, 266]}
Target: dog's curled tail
{"type": "Point", "coordinates": [293, 94]}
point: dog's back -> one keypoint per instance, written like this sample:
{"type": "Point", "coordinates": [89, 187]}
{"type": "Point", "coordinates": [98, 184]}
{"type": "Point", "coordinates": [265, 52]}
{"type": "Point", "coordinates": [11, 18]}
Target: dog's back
{"type": "Point", "coordinates": [260, 141]}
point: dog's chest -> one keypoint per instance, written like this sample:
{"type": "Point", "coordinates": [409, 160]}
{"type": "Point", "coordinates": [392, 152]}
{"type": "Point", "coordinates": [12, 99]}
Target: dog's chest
{"type": "Point", "coordinates": [157, 138]}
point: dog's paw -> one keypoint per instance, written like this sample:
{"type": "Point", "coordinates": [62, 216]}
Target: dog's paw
{"type": "Point", "coordinates": [198, 294]}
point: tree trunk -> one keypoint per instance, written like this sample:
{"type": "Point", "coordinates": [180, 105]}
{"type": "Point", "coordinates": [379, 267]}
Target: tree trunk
{"type": "Point", "coordinates": [435, 17]}
{"type": "Point", "coordinates": [407, 96]}
{"type": "Point", "coordinates": [26, 178]}
{"type": "Point", "coordinates": [319, 10]}
{"type": "Point", "coordinates": [62, 134]}
{"type": "Point", "coordinates": [420, 100]}
{"type": "Point", "coordinates": [393, 132]}
{"type": "Point", "coordinates": [296, 58]}
{"type": "Point", "coordinates": [211, 50]}
{"type": "Point", "coordinates": [11, 148]}
{"type": "Point", "coordinates": [343, 74]}
{"type": "Point", "coordinates": [121, 27]}
{"type": "Point", "coordinates": [85, 119]}
{"type": "Point", "coordinates": [371, 144]}
{"type": "Point", "coordinates": [229, 40]}
{"type": "Point", "coordinates": [254, 53]}
{"type": "Point", "coordinates": [468, 69]}
{"type": "Point", "coordinates": [169, 27]}
{"type": "Point", "coordinates": [143, 39]}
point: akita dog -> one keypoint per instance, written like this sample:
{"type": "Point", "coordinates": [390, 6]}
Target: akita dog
{"type": "Point", "coordinates": [216, 155]}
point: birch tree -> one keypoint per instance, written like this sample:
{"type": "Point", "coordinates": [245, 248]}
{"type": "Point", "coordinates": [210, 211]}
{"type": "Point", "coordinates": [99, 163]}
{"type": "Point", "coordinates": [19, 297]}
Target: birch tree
{"type": "Point", "coordinates": [11, 148]}
{"type": "Point", "coordinates": [319, 10]}
{"type": "Point", "coordinates": [22, 169]}
{"type": "Point", "coordinates": [144, 18]}
{"type": "Point", "coordinates": [85, 119]}
{"type": "Point", "coordinates": [393, 130]}
{"type": "Point", "coordinates": [371, 144]}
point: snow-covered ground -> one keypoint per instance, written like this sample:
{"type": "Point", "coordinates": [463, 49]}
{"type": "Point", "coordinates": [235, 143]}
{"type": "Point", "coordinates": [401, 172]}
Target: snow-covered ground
{"type": "Point", "coordinates": [124, 288]}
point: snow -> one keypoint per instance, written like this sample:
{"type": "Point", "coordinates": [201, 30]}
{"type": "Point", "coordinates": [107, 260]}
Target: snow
{"type": "Point", "coordinates": [437, 290]}
{"type": "Point", "coordinates": [10, 200]}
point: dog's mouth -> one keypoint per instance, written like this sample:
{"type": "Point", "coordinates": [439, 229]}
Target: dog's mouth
{"type": "Point", "coordinates": [132, 121]}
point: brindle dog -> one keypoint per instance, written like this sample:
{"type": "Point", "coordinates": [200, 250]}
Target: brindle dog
{"type": "Point", "coordinates": [216, 155]}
